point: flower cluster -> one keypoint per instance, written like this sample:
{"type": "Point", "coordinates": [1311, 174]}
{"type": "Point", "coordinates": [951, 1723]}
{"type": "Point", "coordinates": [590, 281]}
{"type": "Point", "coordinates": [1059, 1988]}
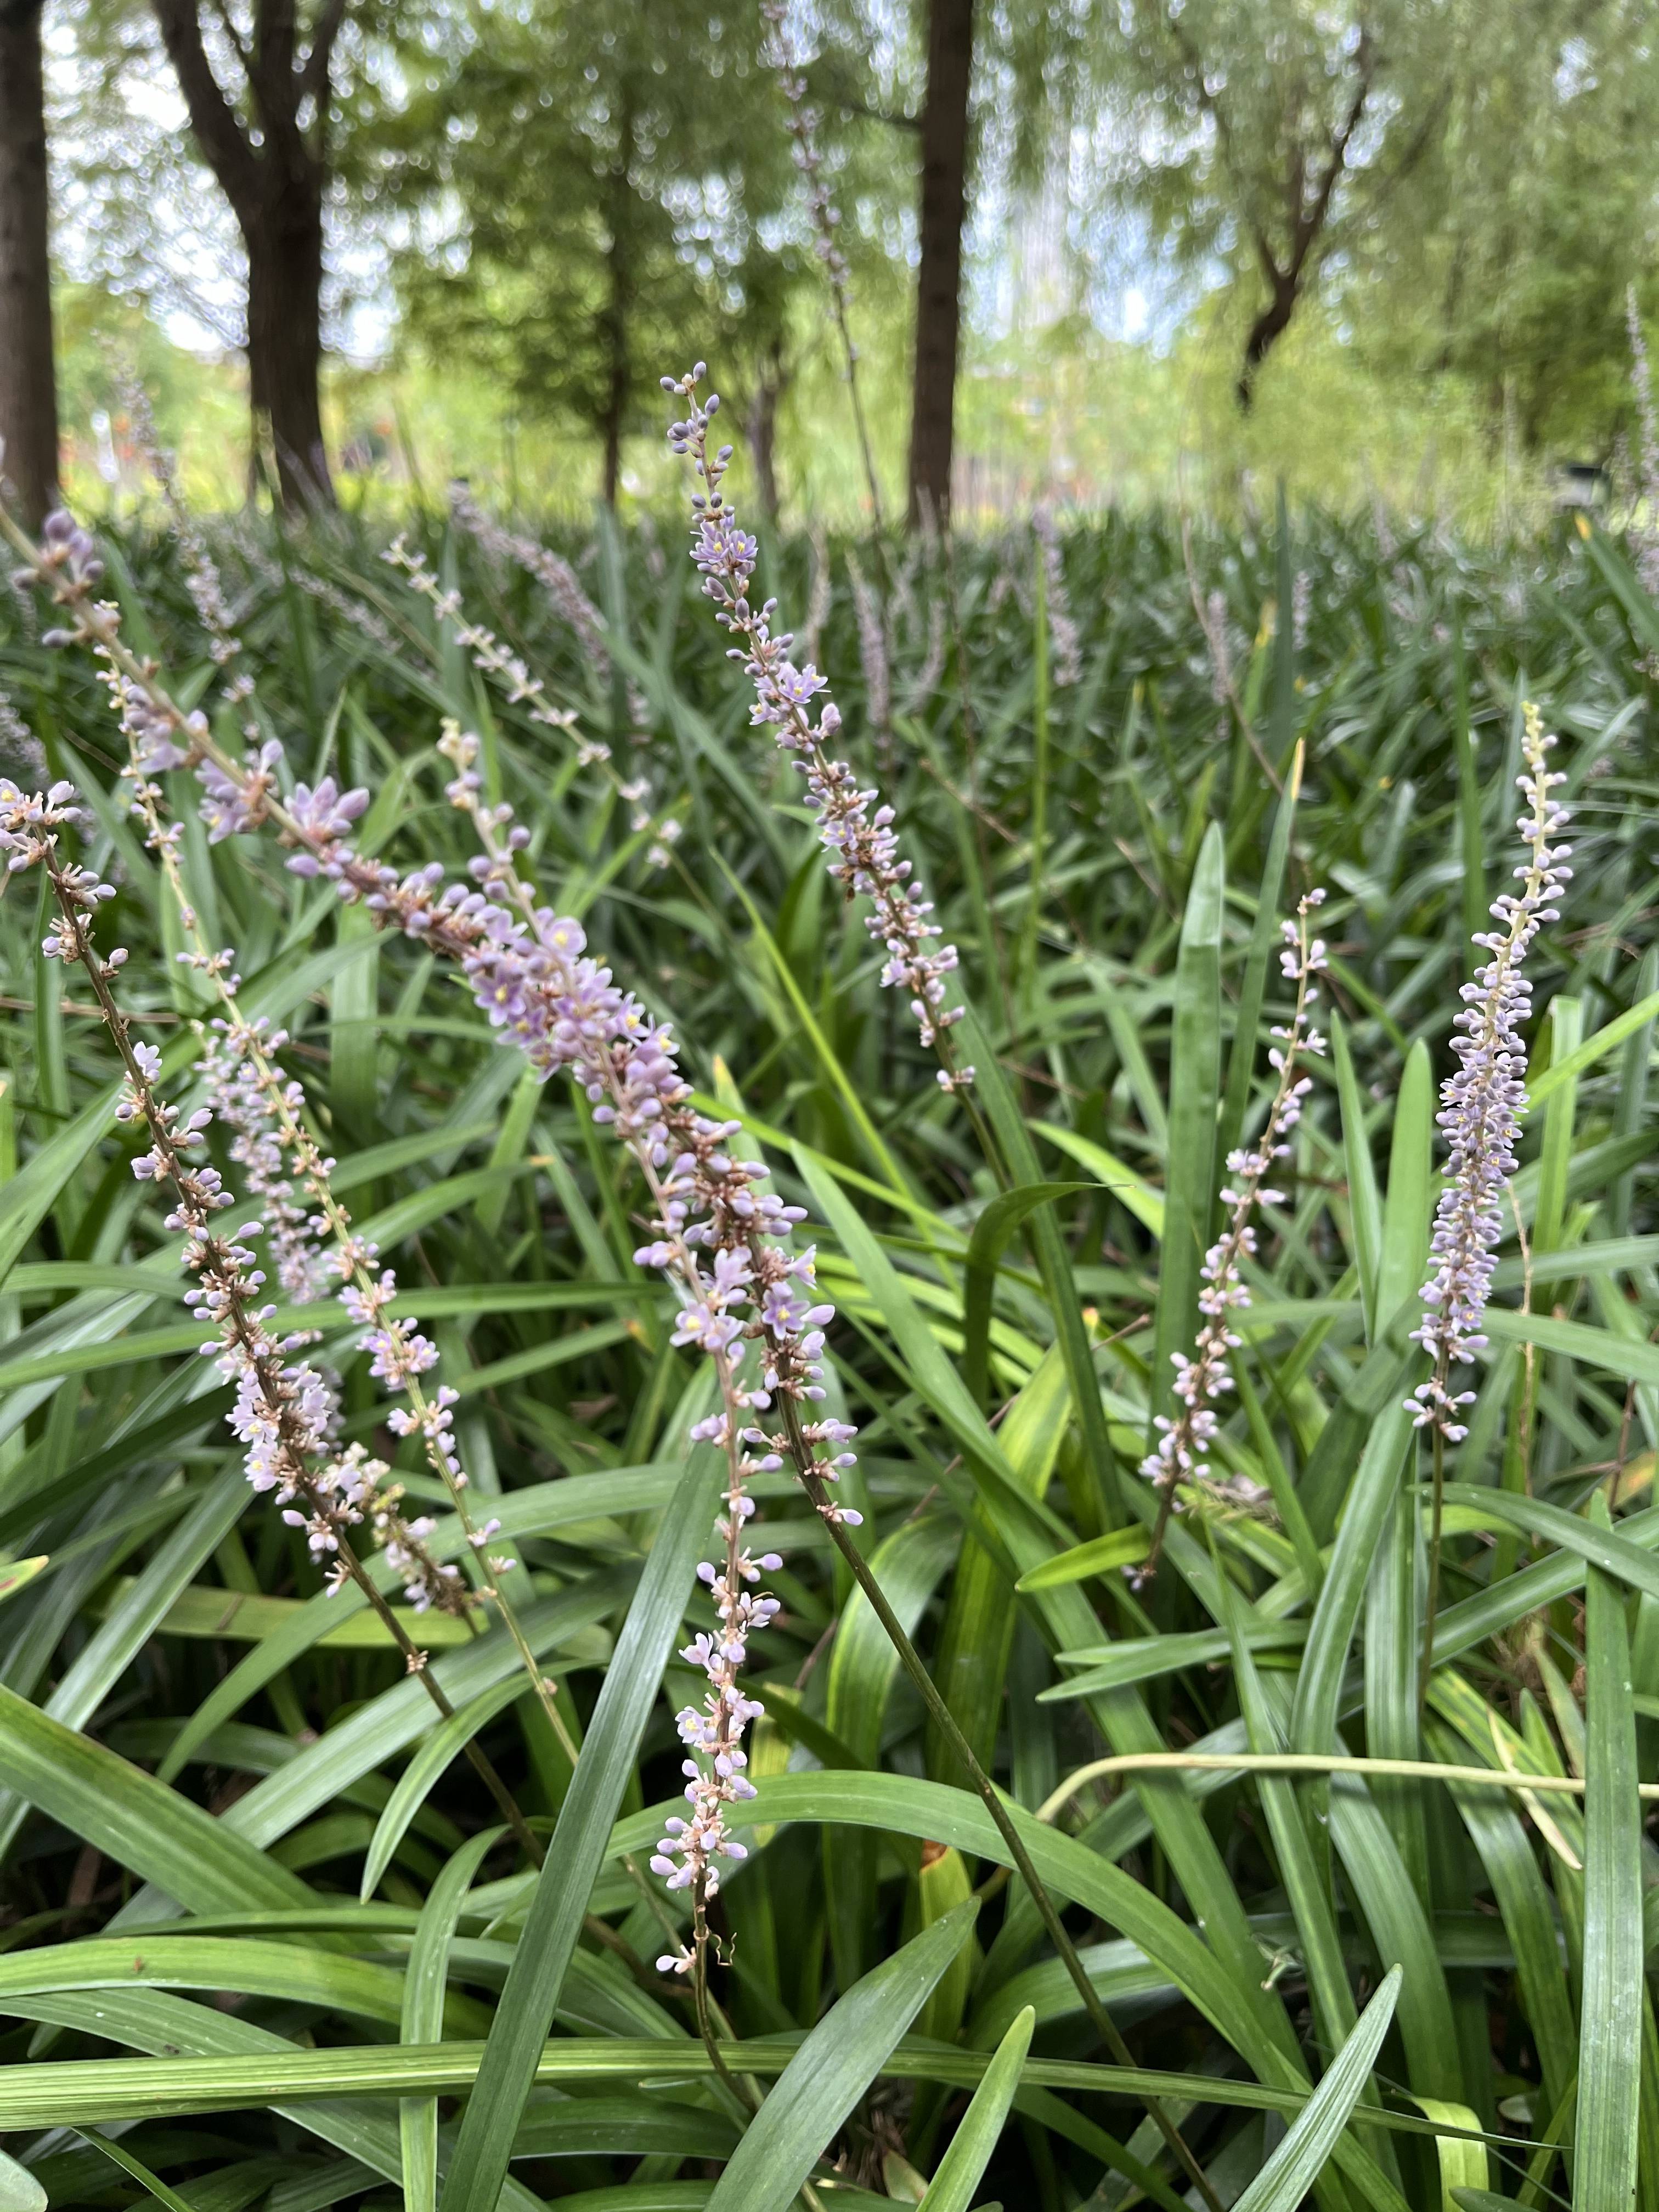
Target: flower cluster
{"type": "Point", "coordinates": [872, 657]}
{"type": "Point", "coordinates": [809, 158]}
{"type": "Point", "coordinates": [271, 1139]}
{"type": "Point", "coordinates": [1185, 1441]}
{"type": "Point", "coordinates": [202, 577]}
{"type": "Point", "coordinates": [725, 1243]}
{"type": "Point", "coordinates": [1481, 1104]}
{"type": "Point", "coordinates": [1065, 642]}
{"type": "Point", "coordinates": [237, 1095]}
{"type": "Point", "coordinates": [20, 749]}
{"type": "Point", "coordinates": [557, 578]}
{"type": "Point", "coordinates": [863, 844]}
{"type": "Point", "coordinates": [284, 1413]}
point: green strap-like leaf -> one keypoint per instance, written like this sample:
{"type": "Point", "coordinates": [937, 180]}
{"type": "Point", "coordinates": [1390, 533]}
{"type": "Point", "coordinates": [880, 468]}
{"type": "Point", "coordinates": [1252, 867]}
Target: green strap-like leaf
{"type": "Point", "coordinates": [1300, 2158]}
{"type": "Point", "coordinates": [135, 1819]}
{"type": "Point", "coordinates": [445, 1744]}
{"type": "Point", "coordinates": [959, 2172]}
{"type": "Point", "coordinates": [421, 2021]}
{"type": "Point", "coordinates": [1610, 2017]}
{"type": "Point", "coordinates": [19, 2190]}
{"type": "Point", "coordinates": [835, 2065]}
{"type": "Point", "coordinates": [1001, 1219]}
{"type": "Point", "coordinates": [1189, 1179]}
{"type": "Point", "coordinates": [151, 2183]}
{"type": "Point", "coordinates": [578, 1848]}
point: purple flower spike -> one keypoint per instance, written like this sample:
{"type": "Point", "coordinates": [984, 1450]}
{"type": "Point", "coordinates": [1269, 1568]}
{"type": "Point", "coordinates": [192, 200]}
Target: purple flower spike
{"type": "Point", "coordinates": [1481, 1104]}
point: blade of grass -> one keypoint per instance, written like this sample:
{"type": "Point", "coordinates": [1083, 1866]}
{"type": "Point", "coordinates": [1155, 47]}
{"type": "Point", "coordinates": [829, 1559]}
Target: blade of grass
{"type": "Point", "coordinates": [422, 2017]}
{"type": "Point", "coordinates": [1610, 2015]}
{"type": "Point", "coordinates": [835, 2065]}
{"type": "Point", "coordinates": [578, 1846]}
{"type": "Point", "coordinates": [961, 2170]}
{"type": "Point", "coordinates": [1290, 2173]}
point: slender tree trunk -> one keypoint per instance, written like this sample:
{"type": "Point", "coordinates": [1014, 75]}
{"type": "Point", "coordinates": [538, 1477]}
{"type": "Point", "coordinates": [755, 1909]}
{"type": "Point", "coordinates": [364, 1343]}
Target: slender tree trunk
{"type": "Point", "coordinates": [938, 283]}
{"type": "Point", "coordinates": [1266, 332]}
{"type": "Point", "coordinates": [284, 344]}
{"type": "Point", "coordinates": [615, 406]}
{"type": "Point", "coordinates": [619, 306]}
{"type": "Point", "coordinates": [28, 393]}
{"type": "Point", "coordinates": [762, 429]}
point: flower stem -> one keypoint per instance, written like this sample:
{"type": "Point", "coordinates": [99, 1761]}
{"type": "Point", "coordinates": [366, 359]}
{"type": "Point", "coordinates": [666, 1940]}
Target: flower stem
{"type": "Point", "coordinates": [415, 1660]}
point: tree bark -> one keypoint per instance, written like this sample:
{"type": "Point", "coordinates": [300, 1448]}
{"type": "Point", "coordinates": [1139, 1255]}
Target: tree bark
{"type": "Point", "coordinates": [284, 345]}
{"type": "Point", "coordinates": [762, 427]}
{"type": "Point", "coordinates": [28, 390]}
{"type": "Point", "coordinates": [619, 306]}
{"type": "Point", "coordinates": [274, 178]}
{"type": "Point", "coordinates": [1266, 332]}
{"type": "Point", "coordinates": [938, 283]}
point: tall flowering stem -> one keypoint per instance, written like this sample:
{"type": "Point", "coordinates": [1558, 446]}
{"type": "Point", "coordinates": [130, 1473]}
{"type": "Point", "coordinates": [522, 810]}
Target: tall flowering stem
{"type": "Point", "coordinates": [804, 120]}
{"type": "Point", "coordinates": [491, 658]}
{"type": "Point", "coordinates": [722, 1241]}
{"type": "Point", "coordinates": [1481, 1104]}
{"type": "Point", "coordinates": [1647, 450]}
{"type": "Point", "coordinates": [284, 1413]}
{"type": "Point", "coordinates": [1185, 1441]}
{"type": "Point", "coordinates": [274, 1141]}
{"type": "Point", "coordinates": [863, 845]}
{"type": "Point", "coordinates": [1064, 639]}
{"type": "Point", "coordinates": [557, 579]}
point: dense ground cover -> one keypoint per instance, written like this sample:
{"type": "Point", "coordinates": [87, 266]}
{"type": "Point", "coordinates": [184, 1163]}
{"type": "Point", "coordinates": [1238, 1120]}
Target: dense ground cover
{"type": "Point", "coordinates": [238, 1853]}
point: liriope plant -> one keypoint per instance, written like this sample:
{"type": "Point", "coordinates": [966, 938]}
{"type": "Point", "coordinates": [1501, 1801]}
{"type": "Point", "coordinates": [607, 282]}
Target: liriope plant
{"type": "Point", "coordinates": [1243, 1948]}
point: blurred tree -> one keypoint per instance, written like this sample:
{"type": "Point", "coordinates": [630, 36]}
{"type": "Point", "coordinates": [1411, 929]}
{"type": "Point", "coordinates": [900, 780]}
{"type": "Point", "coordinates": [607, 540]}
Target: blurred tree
{"type": "Point", "coordinates": [266, 140]}
{"type": "Point", "coordinates": [28, 396]}
{"type": "Point", "coordinates": [1508, 258]}
{"type": "Point", "coordinates": [599, 196]}
{"type": "Point", "coordinates": [943, 203]}
{"type": "Point", "coordinates": [1266, 136]}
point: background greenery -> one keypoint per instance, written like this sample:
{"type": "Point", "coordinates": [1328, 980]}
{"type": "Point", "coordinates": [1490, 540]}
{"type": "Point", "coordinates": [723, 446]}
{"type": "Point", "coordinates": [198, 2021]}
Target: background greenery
{"type": "Point", "coordinates": [1099, 851]}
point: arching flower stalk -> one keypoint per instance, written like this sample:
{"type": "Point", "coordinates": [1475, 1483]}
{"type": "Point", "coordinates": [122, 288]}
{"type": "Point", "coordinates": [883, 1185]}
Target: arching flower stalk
{"type": "Point", "coordinates": [1481, 1104]}
{"type": "Point", "coordinates": [558, 579]}
{"type": "Point", "coordinates": [284, 1414]}
{"type": "Point", "coordinates": [540, 989]}
{"type": "Point", "coordinates": [491, 658]}
{"type": "Point", "coordinates": [1185, 1442]}
{"type": "Point", "coordinates": [825, 217]}
{"type": "Point", "coordinates": [276, 1140]}
{"type": "Point", "coordinates": [872, 657]}
{"type": "Point", "coordinates": [863, 845]}
{"type": "Point", "coordinates": [530, 973]}
{"type": "Point", "coordinates": [725, 1246]}
{"type": "Point", "coordinates": [1646, 534]}
{"type": "Point", "coordinates": [269, 1115]}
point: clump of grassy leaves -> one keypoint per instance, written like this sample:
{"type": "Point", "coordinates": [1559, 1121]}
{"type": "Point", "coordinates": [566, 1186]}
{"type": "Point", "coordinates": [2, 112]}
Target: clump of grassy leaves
{"type": "Point", "coordinates": [1381, 1990]}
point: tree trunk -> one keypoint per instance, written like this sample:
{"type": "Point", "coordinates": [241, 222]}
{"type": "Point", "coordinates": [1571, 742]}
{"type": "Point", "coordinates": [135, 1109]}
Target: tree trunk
{"type": "Point", "coordinates": [1266, 332]}
{"type": "Point", "coordinates": [762, 429]}
{"type": "Point", "coordinates": [616, 407]}
{"type": "Point", "coordinates": [28, 393]}
{"type": "Point", "coordinates": [938, 283]}
{"type": "Point", "coordinates": [619, 306]}
{"type": "Point", "coordinates": [284, 343]}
